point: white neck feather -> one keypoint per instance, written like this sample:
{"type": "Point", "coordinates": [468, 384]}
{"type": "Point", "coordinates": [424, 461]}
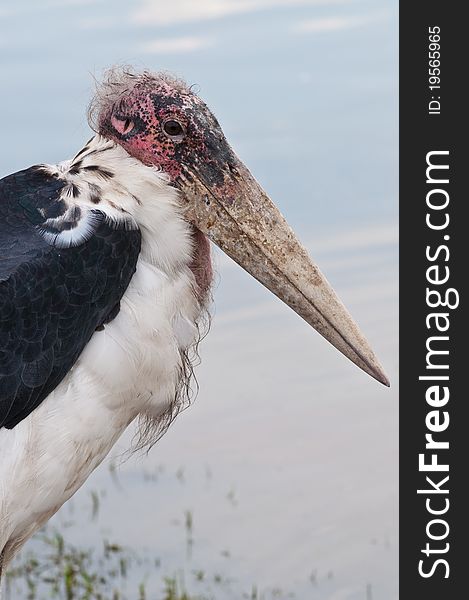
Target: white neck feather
{"type": "Point", "coordinates": [138, 194]}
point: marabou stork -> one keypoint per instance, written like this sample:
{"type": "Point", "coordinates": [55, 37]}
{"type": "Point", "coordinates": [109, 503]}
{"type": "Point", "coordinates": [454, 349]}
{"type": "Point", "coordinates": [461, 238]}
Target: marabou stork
{"type": "Point", "coordinates": [105, 274]}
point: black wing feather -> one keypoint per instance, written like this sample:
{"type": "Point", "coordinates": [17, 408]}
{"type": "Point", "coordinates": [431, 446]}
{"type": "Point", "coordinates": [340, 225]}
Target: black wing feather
{"type": "Point", "coordinates": [51, 299]}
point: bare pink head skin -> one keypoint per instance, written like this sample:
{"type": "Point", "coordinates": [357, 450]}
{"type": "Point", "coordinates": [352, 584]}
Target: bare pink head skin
{"type": "Point", "coordinates": [160, 121]}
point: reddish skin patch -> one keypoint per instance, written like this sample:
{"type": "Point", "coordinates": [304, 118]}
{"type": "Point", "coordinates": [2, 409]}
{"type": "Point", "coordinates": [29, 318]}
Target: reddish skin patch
{"type": "Point", "coordinates": [136, 122]}
{"type": "Point", "coordinates": [201, 264]}
{"type": "Point", "coordinates": [148, 110]}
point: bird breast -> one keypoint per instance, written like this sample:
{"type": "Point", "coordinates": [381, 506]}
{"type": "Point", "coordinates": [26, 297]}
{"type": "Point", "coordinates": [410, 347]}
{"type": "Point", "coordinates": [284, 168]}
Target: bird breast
{"type": "Point", "coordinates": [135, 366]}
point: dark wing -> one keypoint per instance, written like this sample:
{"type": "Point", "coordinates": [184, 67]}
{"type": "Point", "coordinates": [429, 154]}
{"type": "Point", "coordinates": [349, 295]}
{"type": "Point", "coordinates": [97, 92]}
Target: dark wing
{"type": "Point", "coordinates": [52, 299]}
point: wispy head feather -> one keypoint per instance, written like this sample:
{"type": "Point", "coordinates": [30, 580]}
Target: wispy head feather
{"type": "Point", "coordinates": [119, 81]}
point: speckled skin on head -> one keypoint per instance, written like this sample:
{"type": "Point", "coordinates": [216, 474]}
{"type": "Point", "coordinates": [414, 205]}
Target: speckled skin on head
{"type": "Point", "coordinates": [147, 102]}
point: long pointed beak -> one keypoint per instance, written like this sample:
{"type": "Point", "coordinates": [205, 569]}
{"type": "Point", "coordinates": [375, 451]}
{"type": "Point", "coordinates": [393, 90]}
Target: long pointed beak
{"type": "Point", "coordinates": [226, 203]}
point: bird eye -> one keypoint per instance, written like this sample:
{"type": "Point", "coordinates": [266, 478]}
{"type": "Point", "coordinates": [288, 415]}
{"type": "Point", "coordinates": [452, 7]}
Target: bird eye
{"type": "Point", "coordinates": [122, 125]}
{"type": "Point", "coordinates": [173, 129]}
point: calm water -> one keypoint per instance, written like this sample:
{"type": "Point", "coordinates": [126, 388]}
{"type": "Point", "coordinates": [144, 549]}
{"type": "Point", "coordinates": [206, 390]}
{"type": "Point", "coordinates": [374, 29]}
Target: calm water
{"type": "Point", "coordinates": [288, 458]}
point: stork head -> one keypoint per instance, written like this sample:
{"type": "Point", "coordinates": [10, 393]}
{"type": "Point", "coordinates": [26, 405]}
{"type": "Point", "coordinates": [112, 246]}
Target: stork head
{"type": "Point", "coordinates": [163, 123]}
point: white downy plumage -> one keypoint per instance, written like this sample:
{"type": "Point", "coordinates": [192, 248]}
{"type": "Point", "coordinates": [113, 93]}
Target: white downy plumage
{"type": "Point", "coordinates": [131, 368]}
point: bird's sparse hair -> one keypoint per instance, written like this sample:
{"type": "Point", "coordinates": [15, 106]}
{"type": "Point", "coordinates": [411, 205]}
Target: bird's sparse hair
{"type": "Point", "coordinates": [119, 81]}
